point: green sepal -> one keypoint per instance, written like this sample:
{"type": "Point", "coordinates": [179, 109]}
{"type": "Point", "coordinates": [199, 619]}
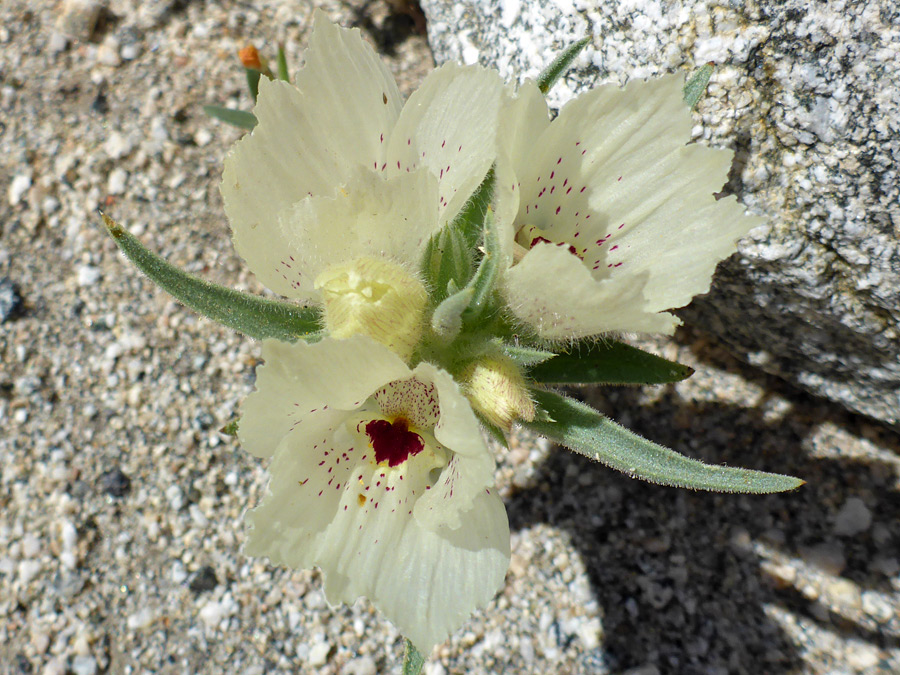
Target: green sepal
{"type": "Point", "coordinates": [585, 431]}
{"type": "Point", "coordinates": [470, 219]}
{"type": "Point", "coordinates": [466, 307]}
{"type": "Point", "coordinates": [607, 362]}
{"type": "Point", "coordinates": [493, 430]}
{"type": "Point", "coordinates": [695, 87]}
{"type": "Point", "coordinates": [559, 65]}
{"type": "Point", "coordinates": [446, 321]}
{"type": "Point", "coordinates": [253, 76]}
{"type": "Point", "coordinates": [256, 317]}
{"type": "Point", "coordinates": [236, 118]}
{"type": "Point", "coordinates": [447, 258]}
{"type": "Point", "coordinates": [230, 429]}
{"type": "Point", "coordinates": [412, 660]}
{"type": "Point", "coordinates": [526, 357]}
{"type": "Point", "coordinates": [281, 62]}
{"type": "Point", "coordinates": [486, 275]}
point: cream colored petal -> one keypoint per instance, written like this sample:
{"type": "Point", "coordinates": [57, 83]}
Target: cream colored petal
{"type": "Point", "coordinates": [427, 582]}
{"type": "Point", "coordinates": [613, 178]}
{"type": "Point", "coordinates": [307, 141]}
{"type": "Point", "coordinates": [371, 216]}
{"type": "Point", "coordinates": [329, 504]}
{"type": "Point", "coordinates": [351, 95]}
{"type": "Point", "coordinates": [449, 126]}
{"type": "Point", "coordinates": [299, 381]}
{"type": "Point", "coordinates": [524, 116]}
{"type": "Point", "coordinates": [551, 290]}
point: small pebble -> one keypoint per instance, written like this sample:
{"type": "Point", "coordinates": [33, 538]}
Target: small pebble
{"type": "Point", "coordinates": [117, 180]}
{"type": "Point", "coordinates": [57, 42]}
{"type": "Point", "coordinates": [84, 665]}
{"type": "Point", "coordinates": [843, 594]}
{"type": "Point", "coordinates": [117, 145]}
{"type": "Point", "coordinates": [213, 612]}
{"type": "Point", "coordinates": [88, 275]}
{"type": "Point", "coordinates": [875, 606]}
{"type": "Point", "coordinates": [28, 570]}
{"type": "Point", "coordinates": [130, 51]}
{"type": "Point", "coordinates": [10, 300]}
{"type": "Point", "coordinates": [108, 54]}
{"type": "Point", "coordinates": [363, 665]}
{"type": "Point", "coordinates": [853, 518]}
{"type": "Point", "coordinates": [140, 619]}
{"type": "Point", "coordinates": [18, 186]}
{"type": "Point", "coordinates": [203, 137]}
{"type": "Point", "coordinates": [862, 657]}
{"type": "Point", "coordinates": [204, 579]}
{"type": "Point", "coordinates": [78, 18]}
{"type": "Point", "coordinates": [318, 654]}
{"type": "Point", "coordinates": [115, 483]}
{"type": "Point", "coordinates": [54, 666]}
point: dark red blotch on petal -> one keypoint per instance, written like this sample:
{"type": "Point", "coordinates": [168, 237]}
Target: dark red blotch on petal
{"type": "Point", "coordinates": [393, 442]}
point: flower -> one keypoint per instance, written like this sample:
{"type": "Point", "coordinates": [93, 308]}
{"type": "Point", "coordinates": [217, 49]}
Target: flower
{"type": "Point", "coordinates": [380, 477]}
{"type": "Point", "coordinates": [613, 214]}
{"type": "Point", "coordinates": [337, 170]}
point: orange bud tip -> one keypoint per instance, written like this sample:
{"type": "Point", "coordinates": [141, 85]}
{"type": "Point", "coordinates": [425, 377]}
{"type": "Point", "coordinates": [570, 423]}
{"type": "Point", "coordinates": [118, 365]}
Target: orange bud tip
{"type": "Point", "coordinates": [249, 56]}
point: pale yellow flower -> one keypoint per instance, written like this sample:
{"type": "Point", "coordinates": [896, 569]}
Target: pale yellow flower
{"type": "Point", "coordinates": [338, 170]}
{"type": "Point", "coordinates": [612, 211]}
{"type": "Point", "coordinates": [381, 478]}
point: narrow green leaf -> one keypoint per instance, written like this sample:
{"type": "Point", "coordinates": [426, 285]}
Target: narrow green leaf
{"type": "Point", "coordinates": [526, 357]}
{"type": "Point", "coordinates": [470, 220]}
{"type": "Point", "coordinates": [231, 428]}
{"type": "Point", "coordinates": [447, 258]}
{"type": "Point", "coordinates": [282, 65]}
{"type": "Point", "coordinates": [608, 362]}
{"type": "Point", "coordinates": [559, 65]}
{"type": "Point", "coordinates": [253, 76]}
{"type": "Point", "coordinates": [412, 660]}
{"type": "Point", "coordinates": [587, 432]}
{"type": "Point", "coordinates": [695, 87]}
{"type": "Point", "coordinates": [253, 316]}
{"type": "Point", "coordinates": [236, 118]}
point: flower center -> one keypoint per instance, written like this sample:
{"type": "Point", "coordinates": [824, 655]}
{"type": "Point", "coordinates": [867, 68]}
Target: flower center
{"type": "Point", "coordinates": [374, 297]}
{"type": "Point", "coordinates": [530, 236]}
{"type": "Point", "coordinates": [393, 442]}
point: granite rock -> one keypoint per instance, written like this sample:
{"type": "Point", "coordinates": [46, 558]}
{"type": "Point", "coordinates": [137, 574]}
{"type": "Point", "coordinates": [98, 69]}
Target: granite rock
{"type": "Point", "coordinates": [809, 97]}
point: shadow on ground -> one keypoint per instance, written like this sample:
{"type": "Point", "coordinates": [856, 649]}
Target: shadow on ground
{"type": "Point", "coordinates": [676, 573]}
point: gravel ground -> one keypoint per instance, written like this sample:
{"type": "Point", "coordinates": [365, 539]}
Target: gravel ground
{"type": "Point", "coordinates": [120, 526]}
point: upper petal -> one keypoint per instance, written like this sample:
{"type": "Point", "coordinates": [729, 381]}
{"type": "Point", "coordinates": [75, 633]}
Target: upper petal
{"type": "Point", "coordinates": [612, 178]}
{"type": "Point", "coordinates": [310, 137]}
{"type": "Point", "coordinates": [370, 216]}
{"type": "Point", "coordinates": [449, 126]}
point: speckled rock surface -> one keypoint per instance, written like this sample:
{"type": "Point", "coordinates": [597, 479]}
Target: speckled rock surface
{"type": "Point", "coordinates": [809, 96]}
{"type": "Point", "coordinates": [121, 503]}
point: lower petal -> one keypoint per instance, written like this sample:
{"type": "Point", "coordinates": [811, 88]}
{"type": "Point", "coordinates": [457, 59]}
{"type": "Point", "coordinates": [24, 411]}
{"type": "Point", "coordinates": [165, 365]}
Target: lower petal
{"type": "Point", "coordinates": [552, 291]}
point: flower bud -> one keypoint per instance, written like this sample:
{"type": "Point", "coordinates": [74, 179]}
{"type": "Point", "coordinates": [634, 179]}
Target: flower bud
{"type": "Point", "coordinates": [374, 297]}
{"type": "Point", "coordinates": [250, 58]}
{"type": "Point", "coordinates": [497, 390]}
